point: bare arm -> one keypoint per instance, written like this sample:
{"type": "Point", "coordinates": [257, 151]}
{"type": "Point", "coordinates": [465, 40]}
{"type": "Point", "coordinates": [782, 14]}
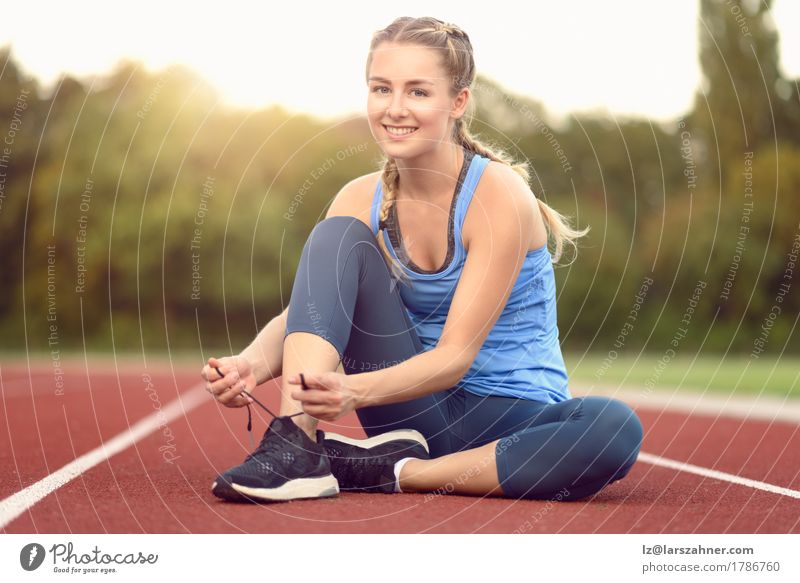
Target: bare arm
{"type": "Point", "coordinates": [265, 352]}
{"type": "Point", "coordinates": [262, 360]}
{"type": "Point", "coordinates": [427, 372]}
{"type": "Point", "coordinates": [496, 254]}
{"type": "Point", "coordinates": [497, 245]}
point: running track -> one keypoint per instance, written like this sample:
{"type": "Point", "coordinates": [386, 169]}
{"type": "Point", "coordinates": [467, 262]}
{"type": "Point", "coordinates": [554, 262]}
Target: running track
{"type": "Point", "coordinates": [149, 442]}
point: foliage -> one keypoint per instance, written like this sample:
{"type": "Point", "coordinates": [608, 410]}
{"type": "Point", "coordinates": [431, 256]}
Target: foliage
{"type": "Point", "coordinates": [139, 212]}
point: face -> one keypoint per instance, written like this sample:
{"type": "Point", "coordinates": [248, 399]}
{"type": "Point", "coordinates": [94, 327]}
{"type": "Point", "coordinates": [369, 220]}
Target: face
{"type": "Point", "coordinates": [409, 106]}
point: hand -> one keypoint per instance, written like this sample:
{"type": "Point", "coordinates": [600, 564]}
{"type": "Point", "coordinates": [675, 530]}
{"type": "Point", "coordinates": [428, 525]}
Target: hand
{"type": "Point", "coordinates": [329, 395]}
{"type": "Point", "coordinates": [238, 376]}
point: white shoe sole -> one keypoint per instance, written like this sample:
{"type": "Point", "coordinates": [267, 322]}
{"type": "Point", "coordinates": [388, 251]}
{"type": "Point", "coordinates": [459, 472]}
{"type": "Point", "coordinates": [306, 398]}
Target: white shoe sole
{"type": "Point", "coordinates": [411, 434]}
{"type": "Point", "coordinates": [322, 487]}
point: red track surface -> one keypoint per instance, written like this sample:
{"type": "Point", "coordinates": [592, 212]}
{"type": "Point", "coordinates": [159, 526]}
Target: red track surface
{"type": "Point", "coordinates": [139, 491]}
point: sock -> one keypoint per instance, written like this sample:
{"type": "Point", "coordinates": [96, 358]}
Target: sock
{"type": "Point", "coordinates": [397, 467]}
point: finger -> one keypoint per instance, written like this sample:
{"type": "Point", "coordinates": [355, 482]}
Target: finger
{"type": "Point", "coordinates": [319, 412]}
{"type": "Point", "coordinates": [233, 397]}
{"type": "Point", "coordinates": [239, 401]}
{"type": "Point", "coordinates": [314, 396]}
{"type": "Point", "coordinates": [308, 381]}
{"type": "Point", "coordinates": [232, 393]}
{"type": "Point", "coordinates": [219, 386]}
{"type": "Point", "coordinates": [305, 380]}
{"type": "Point", "coordinates": [300, 396]}
{"type": "Point", "coordinates": [309, 396]}
{"type": "Point", "coordinates": [209, 374]}
{"type": "Point", "coordinates": [296, 380]}
{"type": "Point", "coordinates": [219, 368]}
{"type": "Point", "coordinates": [230, 377]}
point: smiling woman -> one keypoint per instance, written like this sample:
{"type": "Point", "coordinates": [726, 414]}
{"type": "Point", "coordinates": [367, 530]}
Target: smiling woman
{"type": "Point", "coordinates": [462, 361]}
{"type": "Point", "coordinates": [414, 73]}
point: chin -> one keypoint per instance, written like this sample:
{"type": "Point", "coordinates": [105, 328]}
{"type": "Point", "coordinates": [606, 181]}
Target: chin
{"type": "Point", "coordinates": [400, 153]}
{"type": "Point", "coordinates": [403, 150]}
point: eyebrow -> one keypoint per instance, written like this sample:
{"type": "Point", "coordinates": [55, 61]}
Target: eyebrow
{"type": "Point", "coordinates": [409, 82]}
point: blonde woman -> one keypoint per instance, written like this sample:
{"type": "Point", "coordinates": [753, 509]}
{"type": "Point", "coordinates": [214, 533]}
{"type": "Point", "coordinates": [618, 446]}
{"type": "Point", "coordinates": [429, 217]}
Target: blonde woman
{"type": "Point", "coordinates": [431, 282]}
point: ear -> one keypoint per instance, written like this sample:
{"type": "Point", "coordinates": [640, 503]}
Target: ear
{"type": "Point", "coordinates": [460, 103]}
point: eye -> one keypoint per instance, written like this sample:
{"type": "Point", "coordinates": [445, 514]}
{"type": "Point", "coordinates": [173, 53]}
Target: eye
{"type": "Point", "coordinates": [417, 92]}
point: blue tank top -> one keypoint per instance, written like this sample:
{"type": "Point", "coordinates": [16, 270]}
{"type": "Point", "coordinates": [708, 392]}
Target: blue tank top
{"type": "Point", "coordinates": [521, 356]}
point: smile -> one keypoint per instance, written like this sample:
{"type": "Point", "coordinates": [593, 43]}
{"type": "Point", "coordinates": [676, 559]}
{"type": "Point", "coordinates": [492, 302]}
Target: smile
{"type": "Point", "coordinates": [399, 131]}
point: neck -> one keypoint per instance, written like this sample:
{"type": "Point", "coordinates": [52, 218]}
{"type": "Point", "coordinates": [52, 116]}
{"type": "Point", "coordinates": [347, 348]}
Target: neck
{"type": "Point", "coordinates": [432, 174]}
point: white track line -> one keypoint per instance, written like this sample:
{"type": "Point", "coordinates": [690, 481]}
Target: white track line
{"type": "Point", "coordinates": [752, 408]}
{"type": "Point", "coordinates": [701, 471]}
{"type": "Point", "coordinates": [18, 503]}
{"type": "Point", "coordinates": [761, 408]}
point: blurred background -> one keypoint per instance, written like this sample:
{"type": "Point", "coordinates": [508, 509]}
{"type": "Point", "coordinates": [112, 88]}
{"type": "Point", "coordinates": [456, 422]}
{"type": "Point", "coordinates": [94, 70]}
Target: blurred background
{"type": "Point", "coordinates": [162, 165]}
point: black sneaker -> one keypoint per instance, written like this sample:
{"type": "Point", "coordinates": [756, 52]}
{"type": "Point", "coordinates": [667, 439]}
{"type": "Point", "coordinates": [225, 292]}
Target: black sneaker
{"type": "Point", "coordinates": [286, 465]}
{"type": "Point", "coordinates": [367, 465]}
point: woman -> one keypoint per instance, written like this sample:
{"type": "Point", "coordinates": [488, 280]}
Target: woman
{"type": "Point", "coordinates": [449, 342]}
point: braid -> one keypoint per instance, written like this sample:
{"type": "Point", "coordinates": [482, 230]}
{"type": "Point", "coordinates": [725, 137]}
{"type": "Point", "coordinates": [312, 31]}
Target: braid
{"type": "Point", "coordinates": [390, 179]}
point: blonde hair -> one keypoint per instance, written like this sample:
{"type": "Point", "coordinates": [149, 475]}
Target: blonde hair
{"type": "Point", "coordinates": [456, 49]}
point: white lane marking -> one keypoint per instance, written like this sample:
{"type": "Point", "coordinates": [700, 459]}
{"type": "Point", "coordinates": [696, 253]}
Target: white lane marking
{"type": "Point", "coordinates": [760, 407]}
{"type": "Point", "coordinates": [752, 408]}
{"type": "Point", "coordinates": [18, 503]}
{"type": "Point", "coordinates": [701, 471]}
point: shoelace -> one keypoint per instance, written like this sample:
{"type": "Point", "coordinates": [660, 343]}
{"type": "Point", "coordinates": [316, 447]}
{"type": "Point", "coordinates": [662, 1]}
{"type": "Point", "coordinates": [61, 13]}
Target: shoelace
{"type": "Point", "coordinates": [262, 405]}
{"type": "Point", "coordinates": [266, 445]}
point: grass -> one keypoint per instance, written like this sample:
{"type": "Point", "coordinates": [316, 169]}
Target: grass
{"type": "Point", "coordinates": [731, 374]}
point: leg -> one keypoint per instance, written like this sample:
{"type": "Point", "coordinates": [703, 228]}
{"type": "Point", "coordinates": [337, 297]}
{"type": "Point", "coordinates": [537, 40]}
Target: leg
{"type": "Point", "coordinates": [304, 351]}
{"type": "Point", "coordinates": [345, 301]}
{"type": "Point", "coordinates": [472, 471]}
{"type": "Point", "coordinates": [587, 444]}
{"type": "Point", "coordinates": [569, 450]}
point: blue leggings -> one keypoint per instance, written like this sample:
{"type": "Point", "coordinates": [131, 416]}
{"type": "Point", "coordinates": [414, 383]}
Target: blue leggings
{"type": "Point", "coordinates": [344, 293]}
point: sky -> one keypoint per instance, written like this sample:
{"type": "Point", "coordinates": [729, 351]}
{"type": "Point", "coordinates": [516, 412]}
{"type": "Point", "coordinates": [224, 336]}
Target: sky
{"type": "Point", "coordinates": [622, 57]}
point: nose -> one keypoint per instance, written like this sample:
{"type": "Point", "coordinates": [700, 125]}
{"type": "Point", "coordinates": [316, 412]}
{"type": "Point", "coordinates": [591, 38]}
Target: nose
{"type": "Point", "coordinates": [397, 108]}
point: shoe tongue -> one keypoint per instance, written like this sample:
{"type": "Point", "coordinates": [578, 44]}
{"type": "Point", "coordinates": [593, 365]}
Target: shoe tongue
{"type": "Point", "coordinates": [279, 428]}
{"type": "Point", "coordinates": [280, 425]}
{"type": "Point", "coordinates": [287, 431]}
{"type": "Point", "coordinates": [276, 424]}
{"type": "Point", "coordinates": [285, 427]}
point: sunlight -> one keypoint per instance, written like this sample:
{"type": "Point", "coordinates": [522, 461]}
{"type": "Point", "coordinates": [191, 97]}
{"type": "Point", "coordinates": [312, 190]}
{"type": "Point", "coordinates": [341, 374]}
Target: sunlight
{"type": "Point", "coordinates": [643, 63]}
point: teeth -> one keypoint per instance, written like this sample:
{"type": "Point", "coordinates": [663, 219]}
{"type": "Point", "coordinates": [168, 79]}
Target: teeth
{"type": "Point", "coordinates": [399, 131]}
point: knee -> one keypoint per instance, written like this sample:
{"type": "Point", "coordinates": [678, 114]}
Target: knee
{"type": "Point", "coordinates": [340, 229]}
{"type": "Point", "coordinates": [621, 436]}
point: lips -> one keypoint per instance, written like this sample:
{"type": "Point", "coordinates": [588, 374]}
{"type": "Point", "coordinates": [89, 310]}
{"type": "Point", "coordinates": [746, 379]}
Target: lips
{"type": "Point", "coordinates": [400, 131]}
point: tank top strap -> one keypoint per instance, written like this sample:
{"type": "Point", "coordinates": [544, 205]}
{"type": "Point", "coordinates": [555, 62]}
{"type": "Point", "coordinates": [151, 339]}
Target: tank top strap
{"type": "Point", "coordinates": [474, 174]}
{"type": "Point", "coordinates": [376, 207]}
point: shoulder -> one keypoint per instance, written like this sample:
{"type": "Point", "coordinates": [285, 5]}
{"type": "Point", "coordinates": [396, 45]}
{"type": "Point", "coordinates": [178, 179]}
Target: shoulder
{"type": "Point", "coordinates": [501, 182]}
{"type": "Point", "coordinates": [355, 198]}
{"type": "Point", "coordinates": [502, 200]}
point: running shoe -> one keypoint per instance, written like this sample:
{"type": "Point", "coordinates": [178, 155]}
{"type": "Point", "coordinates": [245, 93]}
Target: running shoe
{"type": "Point", "coordinates": [286, 465]}
{"type": "Point", "coordinates": [367, 465]}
